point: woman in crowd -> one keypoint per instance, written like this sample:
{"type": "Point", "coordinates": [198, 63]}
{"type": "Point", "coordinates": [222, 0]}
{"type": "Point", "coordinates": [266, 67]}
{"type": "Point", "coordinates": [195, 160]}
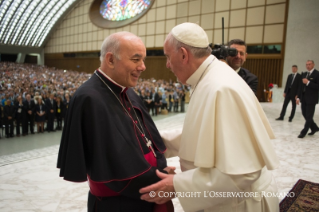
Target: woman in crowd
{"type": "Point", "coordinates": [20, 114]}
{"type": "Point", "coordinates": [59, 112]}
{"type": "Point", "coordinates": [66, 103]}
{"type": "Point", "coordinates": [182, 98]}
{"type": "Point", "coordinates": [164, 100]}
{"type": "Point", "coordinates": [40, 115]}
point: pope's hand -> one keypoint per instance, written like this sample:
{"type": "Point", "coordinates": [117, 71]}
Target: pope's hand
{"type": "Point", "coordinates": [155, 192]}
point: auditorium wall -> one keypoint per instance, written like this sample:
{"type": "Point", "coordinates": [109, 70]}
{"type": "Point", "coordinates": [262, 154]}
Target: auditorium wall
{"type": "Point", "coordinates": [302, 36]}
{"type": "Point", "coordinates": [258, 22]}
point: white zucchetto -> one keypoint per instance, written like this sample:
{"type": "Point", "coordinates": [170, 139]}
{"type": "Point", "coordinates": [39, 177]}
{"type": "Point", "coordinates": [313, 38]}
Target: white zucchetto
{"type": "Point", "coordinates": [190, 34]}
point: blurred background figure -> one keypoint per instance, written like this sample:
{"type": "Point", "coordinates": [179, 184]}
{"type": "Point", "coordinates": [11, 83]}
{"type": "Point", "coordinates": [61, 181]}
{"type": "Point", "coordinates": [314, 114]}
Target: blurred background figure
{"type": "Point", "coordinates": [40, 111]}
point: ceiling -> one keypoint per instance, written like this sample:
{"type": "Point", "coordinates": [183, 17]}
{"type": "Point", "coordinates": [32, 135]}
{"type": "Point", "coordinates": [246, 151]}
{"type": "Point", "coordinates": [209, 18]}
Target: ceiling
{"type": "Point", "coordinates": [27, 23]}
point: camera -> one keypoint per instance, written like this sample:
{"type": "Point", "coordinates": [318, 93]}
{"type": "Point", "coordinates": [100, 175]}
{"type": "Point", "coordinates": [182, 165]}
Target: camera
{"type": "Point", "coordinates": [222, 51]}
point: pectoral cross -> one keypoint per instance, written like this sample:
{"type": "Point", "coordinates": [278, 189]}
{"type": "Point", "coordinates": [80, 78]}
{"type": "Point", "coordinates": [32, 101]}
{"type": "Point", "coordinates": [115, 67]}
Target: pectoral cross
{"type": "Point", "coordinates": [149, 145]}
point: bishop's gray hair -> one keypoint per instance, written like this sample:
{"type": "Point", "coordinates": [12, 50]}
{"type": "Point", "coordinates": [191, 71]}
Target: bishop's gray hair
{"type": "Point", "coordinates": [110, 44]}
{"type": "Point", "coordinates": [196, 51]}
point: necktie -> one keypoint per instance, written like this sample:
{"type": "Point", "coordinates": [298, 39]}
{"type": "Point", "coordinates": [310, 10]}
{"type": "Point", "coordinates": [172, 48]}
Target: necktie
{"type": "Point", "coordinates": [304, 86]}
{"type": "Point", "coordinates": [293, 77]}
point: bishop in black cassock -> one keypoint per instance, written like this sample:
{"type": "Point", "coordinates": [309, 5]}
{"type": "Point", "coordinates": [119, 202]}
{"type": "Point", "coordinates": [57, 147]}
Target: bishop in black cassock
{"type": "Point", "coordinates": [102, 143]}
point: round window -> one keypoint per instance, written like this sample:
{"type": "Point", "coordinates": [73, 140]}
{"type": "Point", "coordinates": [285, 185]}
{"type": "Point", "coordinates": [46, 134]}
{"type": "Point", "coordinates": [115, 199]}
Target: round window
{"type": "Point", "coordinates": [117, 13]}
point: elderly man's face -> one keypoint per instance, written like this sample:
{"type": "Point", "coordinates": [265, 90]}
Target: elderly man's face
{"type": "Point", "coordinates": [237, 61]}
{"type": "Point", "coordinates": [130, 65]}
{"type": "Point", "coordinates": [173, 62]}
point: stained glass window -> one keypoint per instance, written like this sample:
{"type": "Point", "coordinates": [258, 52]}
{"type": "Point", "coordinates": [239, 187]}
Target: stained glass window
{"type": "Point", "coordinates": [119, 10]}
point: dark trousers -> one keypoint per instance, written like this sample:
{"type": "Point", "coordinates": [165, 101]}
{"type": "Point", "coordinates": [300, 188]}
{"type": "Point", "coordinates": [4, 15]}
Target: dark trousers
{"type": "Point", "coordinates": [156, 108]}
{"type": "Point", "coordinates": [176, 106]}
{"type": "Point", "coordinates": [164, 106]}
{"type": "Point", "coordinates": [152, 108]}
{"type": "Point", "coordinates": [30, 119]}
{"type": "Point", "coordinates": [50, 123]}
{"type": "Point", "coordinates": [59, 121]}
{"type": "Point", "coordinates": [182, 106]}
{"type": "Point", "coordinates": [18, 123]}
{"type": "Point", "coordinates": [308, 111]}
{"type": "Point", "coordinates": [170, 106]}
{"type": "Point", "coordinates": [9, 127]}
{"type": "Point", "coordinates": [117, 204]}
{"type": "Point", "coordinates": [288, 98]}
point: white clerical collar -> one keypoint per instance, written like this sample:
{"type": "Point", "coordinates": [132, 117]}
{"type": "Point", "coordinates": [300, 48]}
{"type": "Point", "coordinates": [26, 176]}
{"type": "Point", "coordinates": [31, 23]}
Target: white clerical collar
{"type": "Point", "coordinates": [237, 70]}
{"type": "Point", "coordinates": [109, 78]}
{"type": "Point", "coordinates": [193, 79]}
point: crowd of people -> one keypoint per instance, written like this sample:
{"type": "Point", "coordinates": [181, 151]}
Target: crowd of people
{"type": "Point", "coordinates": [38, 94]}
{"type": "Point", "coordinates": [161, 95]}
{"type": "Point", "coordinates": [32, 93]}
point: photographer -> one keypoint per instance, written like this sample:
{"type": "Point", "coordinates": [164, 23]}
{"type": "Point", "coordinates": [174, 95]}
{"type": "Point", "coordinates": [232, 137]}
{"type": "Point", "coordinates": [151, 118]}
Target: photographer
{"type": "Point", "coordinates": [237, 61]}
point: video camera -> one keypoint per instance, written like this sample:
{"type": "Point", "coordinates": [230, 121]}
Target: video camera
{"type": "Point", "coordinates": [221, 51]}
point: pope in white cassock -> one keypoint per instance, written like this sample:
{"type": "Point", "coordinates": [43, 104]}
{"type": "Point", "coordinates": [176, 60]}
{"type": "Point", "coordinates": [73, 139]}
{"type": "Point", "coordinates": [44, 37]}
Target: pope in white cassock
{"type": "Point", "coordinates": [224, 145]}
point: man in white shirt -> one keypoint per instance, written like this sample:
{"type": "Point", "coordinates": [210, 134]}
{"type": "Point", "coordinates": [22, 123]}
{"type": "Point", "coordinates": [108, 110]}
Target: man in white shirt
{"type": "Point", "coordinates": [308, 96]}
{"type": "Point", "coordinates": [224, 145]}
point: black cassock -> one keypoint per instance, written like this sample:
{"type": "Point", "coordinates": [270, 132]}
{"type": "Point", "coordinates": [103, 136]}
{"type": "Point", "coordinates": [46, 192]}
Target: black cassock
{"type": "Point", "coordinates": [100, 143]}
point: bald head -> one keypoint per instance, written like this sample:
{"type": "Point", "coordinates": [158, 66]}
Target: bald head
{"type": "Point", "coordinates": [113, 42]}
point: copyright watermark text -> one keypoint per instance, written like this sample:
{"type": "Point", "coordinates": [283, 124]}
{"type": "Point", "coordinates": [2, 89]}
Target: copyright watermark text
{"type": "Point", "coordinates": [215, 194]}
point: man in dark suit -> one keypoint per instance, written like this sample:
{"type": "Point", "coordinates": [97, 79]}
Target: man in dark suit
{"type": "Point", "coordinates": [237, 62]}
{"type": "Point", "coordinates": [308, 96]}
{"type": "Point", "coordinates": [290, 93]}
{"type": "Point", "coordinates": [21, 114]}
{"type": "Point", "coordinates": [29, 106]}
{"type": "Point", "coordinates": [156, 101]}
{"type": "Point", "coordinates": [9, 114]}
{"type": "Point", "coordinates": [50, 103]}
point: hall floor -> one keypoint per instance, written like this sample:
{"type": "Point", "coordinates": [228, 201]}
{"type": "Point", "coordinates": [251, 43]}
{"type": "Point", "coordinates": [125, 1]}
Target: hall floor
{"type": "Point", "coordinates": [30, 182]}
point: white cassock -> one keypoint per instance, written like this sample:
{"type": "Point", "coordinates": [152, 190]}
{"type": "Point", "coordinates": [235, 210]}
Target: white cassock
{"type": "Point", "coordinates": [224, 145]}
